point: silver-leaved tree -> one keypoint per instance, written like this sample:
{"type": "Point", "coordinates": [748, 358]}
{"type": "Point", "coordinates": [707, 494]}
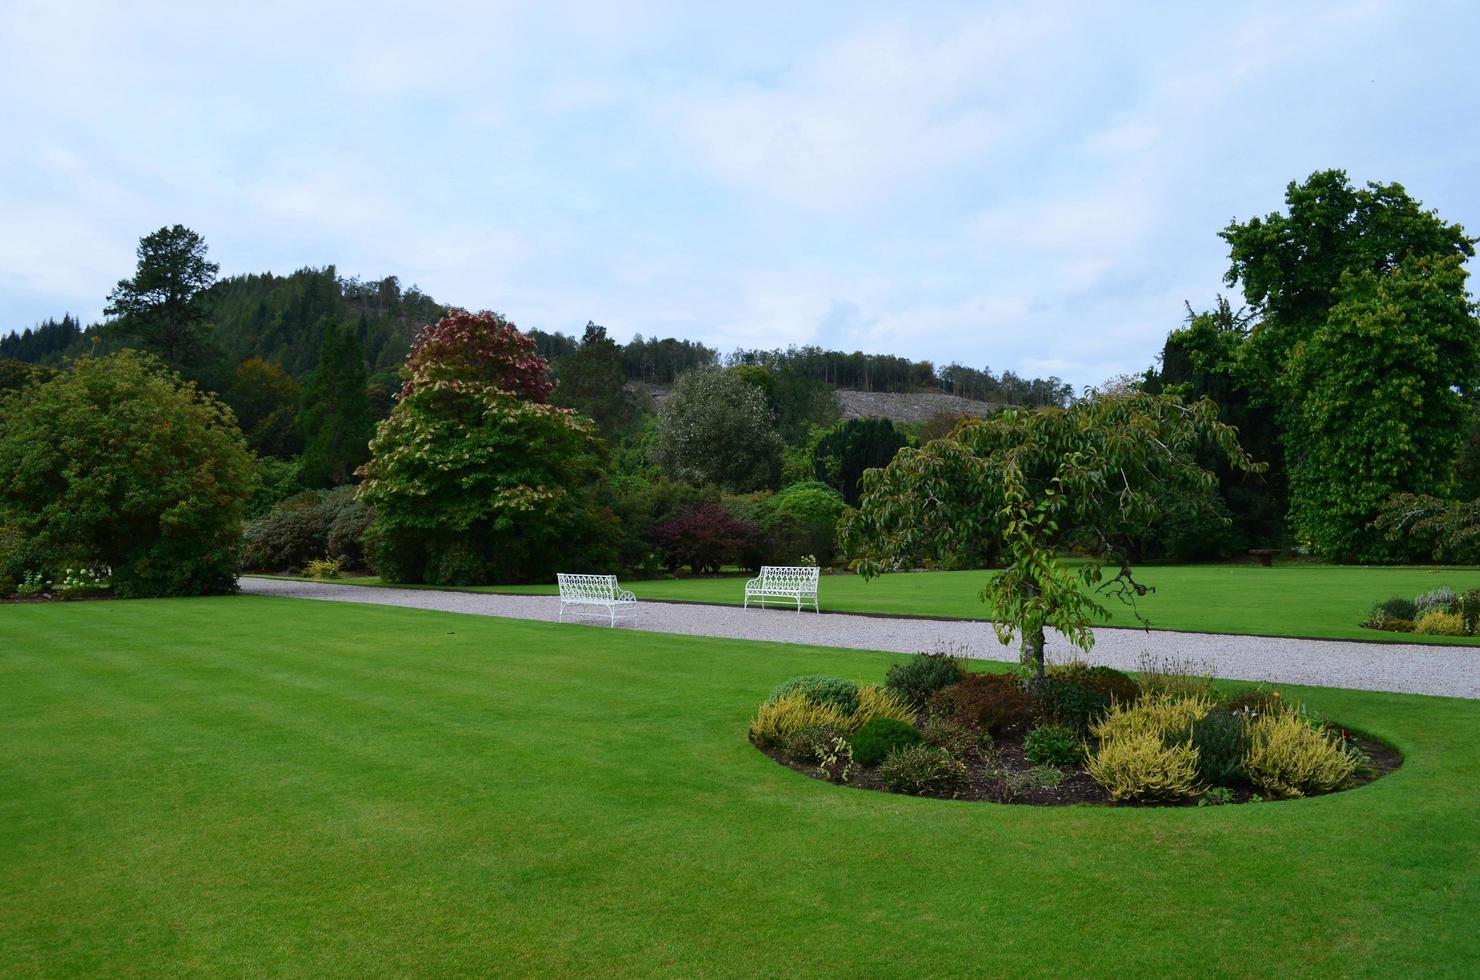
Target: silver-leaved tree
{"type": "Point", "coordinates": [1035, 487]}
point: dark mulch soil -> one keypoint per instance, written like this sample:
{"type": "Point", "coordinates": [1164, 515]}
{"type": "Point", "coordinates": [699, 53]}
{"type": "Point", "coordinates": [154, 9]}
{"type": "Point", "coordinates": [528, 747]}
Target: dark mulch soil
{"type": "Point", "coordinates": [49, 597]}
{"type": "Point", "coordinates": [989, 785]}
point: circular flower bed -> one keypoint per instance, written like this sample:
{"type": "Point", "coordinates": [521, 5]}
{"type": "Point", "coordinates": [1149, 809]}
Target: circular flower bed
{"type": "Point", "coordinates": [1080, 734]}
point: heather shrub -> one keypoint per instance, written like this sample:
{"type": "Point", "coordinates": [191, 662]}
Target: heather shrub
{"type": "Point", "coordinates": [1053, 745]}
{"type": "Point", "coordinates": [1397, 607]}
{"type": "Point", "coordinates": [1038, 777]}
{"type": "Point", "coordinates": [1157, 715]}
{"type": "Point", "coordinates": [876, 702]}
{"type": "Point", "coordinates": [1222, 741]}
{"type": "Point", "coordinates": [1469, 610]}
{"type": "Point", "coordinates": [822, 689]}
{"type": "Point", "coordinates": [994, 703]}
{"type": "Point", "coordinates": [877, 737]}
{"type": "Point", "coordinates": [1441, 599]}
{"type": "Point", "coordinates": [1068, 702]}
{"type": "Point", "coordinates": [1289, 757]}
{"type": "Point", "coordinates": [1114, 684]}
{"type": "Point", "coordinates": [945, 733]}
{"type": "Point", "coordinates": [1436, 622]}
{"type": "Point", "coordinates": [1174, 676]}
{"type": "Point", "coordinates": [812, 744]}
{"type": "Point", "coordinates": [924, 770]}
{"type": "Point", "coordinates": [779, 719]}
{"type": "Point", "coordinates": [1137, 764]}
{"type": "Point", "coordinates": [922, 675]}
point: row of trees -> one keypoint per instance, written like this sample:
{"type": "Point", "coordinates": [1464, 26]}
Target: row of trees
{"type": "Point", "coordinates": [1352, 371]}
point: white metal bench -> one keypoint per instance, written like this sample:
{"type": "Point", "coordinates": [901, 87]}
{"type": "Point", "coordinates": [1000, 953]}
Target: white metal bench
{"type": "Point", "coordinates": [797, 583]}
{"type": "Point", "coordinates": [595, 595]}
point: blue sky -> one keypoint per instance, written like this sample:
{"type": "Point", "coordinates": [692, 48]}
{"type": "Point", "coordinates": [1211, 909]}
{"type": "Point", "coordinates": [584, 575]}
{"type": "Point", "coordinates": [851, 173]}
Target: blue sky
{"type": "Point", "coordinates": [1028, 186]}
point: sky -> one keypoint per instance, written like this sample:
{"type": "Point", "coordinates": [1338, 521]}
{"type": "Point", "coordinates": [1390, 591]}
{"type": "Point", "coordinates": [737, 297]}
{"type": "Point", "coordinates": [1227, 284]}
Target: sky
{"type": "Point", "coordinates": [1035, 187]}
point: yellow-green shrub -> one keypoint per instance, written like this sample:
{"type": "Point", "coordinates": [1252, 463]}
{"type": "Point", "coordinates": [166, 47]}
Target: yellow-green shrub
{"type": "Point", "coordinates": [1158, 715]}
{"type": "Point", "coordinates": [778, 720]}
{"type": "Point", "coordinates": [1138, 765]}
{"type": "Point", "coordinates": [1289, 758]}
{"type": "Point", "coordinates": [1436, 622]}
{"type": "Point", "coordinates": [878, 702]}
{"type": "Point", "coordinates": [323, 568]}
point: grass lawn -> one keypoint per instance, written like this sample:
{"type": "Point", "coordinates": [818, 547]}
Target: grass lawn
{"type": "Point", "coordinates": [267, 786]}
{"type": "Point", "coordinates": [1297, 599]}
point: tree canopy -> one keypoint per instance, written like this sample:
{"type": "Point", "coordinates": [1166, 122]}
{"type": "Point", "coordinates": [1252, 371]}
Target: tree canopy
{"type": "Point", "coordinates": [160, 307]}
{"type": "Point", "coordinates": [718, 428]}
{"type": "Point", "coordinates": [1092, 479]}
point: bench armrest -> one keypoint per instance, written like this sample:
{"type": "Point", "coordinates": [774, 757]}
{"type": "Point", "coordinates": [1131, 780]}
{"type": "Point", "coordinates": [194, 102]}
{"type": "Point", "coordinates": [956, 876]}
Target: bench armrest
{"type": "Point", "coordinates": [626, 596]}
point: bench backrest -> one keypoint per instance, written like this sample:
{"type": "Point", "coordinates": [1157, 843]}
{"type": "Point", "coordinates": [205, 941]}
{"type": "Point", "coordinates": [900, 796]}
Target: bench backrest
{"type": "Point", "coordinates": [587, 586]}
{"type": "Point", "coordinates": [789, 576]}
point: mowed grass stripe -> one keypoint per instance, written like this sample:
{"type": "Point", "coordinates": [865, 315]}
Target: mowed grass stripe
{"type": "Point", "coordinates": [268, 785]}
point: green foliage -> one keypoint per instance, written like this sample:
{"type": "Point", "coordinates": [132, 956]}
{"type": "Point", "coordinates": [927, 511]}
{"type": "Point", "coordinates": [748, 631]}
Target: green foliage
{"type": "Point", "coordinates": [1097, 476]}
{"type": "Point", "coordinates": [997, 704]}
{"type": "Point", "coordinates": [1026, 780]}
{"type": "Point", "coordinates": [1469, 610]}
{"type": "Point", "coordinates": [801, 519]}
{"type": "Point", "coordinates": [310, 525]}
{"type": "Point", "coordinates": [717, 428]}
{"type": "Point", "coordinates": [336, 412]}
{"type": "Point", "coordinates": [265, 399]}
{"type": "Point", "coordinates": [922, 675]}
{"type": "Point", "coordinates": [820, 689]}
{"type": "Point", "coordinates": [1053, 745]}
{"type": "Point", "coordinates": [119, 463]}
{"type": "Point", "coordinates": [1215, 796]}
{"type": "Point", "coordinates": [1380, 407]}
{"type": "Point", "coordinates": [924, 770]}
{"type": "Point", "coordinates": [878, 737]}
{"type": "Point", "coordinates": [1067, 701]}
{"type": "Point", "coordinates": [1221, 738]}
{"type": "Point", "coordinates": [1290, 757]}
{"type": "Point", "coordinates": [15, 375]}
{"type": "Point", "coordinates": [1428, 528]}
{"type": "Point", "coordinates": [843, 454]}
{"type": "Point", "coordinates": [1398, 607]}
{"type": "Point", "coordinates": [160, 307]}
{"type": "Point", "coordinates": [813, 744]}
{"type": "Point", "coordinates": [591, 380]}
{"type": "Point", "coordinates": [1114, 685]}
{"type": "Point", "coordinates": [1438, 623]}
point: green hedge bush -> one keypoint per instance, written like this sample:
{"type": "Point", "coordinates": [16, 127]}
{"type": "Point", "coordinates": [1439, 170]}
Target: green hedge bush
{"type": "Point", "coordinates": [877, 738]}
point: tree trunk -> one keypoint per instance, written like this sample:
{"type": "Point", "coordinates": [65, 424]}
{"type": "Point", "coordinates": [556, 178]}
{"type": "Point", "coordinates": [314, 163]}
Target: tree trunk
{"type": "Point", "coordinates": [1032, 651]}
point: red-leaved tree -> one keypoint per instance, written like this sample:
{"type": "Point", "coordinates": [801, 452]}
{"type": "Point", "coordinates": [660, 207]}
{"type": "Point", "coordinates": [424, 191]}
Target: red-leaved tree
{"type": "Point", "coordinates": [479, 347]}
{"type": "Point", "coordinates": [704, 537]}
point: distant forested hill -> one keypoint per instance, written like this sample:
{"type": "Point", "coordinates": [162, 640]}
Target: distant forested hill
{"type": "Point", "coordinates": [283, 320]}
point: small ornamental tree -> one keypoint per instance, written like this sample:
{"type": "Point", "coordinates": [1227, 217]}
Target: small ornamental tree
{"type": "Point", "coordinates": [717, 428]}
{"type": "Point", "coordinates": [473, 479]}
{"type": "Point", "coordinates": [1093, 478]}
{"type": "Point", "coordinates": [478, 347]}
{"type": "Point", "coordinates": [705, 538]}
{"type": "Point", "coordinates": [119, 463]}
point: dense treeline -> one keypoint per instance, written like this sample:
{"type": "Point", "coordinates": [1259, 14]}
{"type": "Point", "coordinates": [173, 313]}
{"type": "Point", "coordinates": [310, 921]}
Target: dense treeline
{"type": "Point", "coordinates": [44, 343]}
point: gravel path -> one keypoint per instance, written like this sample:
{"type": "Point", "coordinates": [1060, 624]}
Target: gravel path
{"type": "Point", "coordinates": [1401, 667]}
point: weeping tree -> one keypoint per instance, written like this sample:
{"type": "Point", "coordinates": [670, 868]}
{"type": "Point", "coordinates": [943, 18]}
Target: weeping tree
{"type": "Point", "coordinates": [1089, 480]}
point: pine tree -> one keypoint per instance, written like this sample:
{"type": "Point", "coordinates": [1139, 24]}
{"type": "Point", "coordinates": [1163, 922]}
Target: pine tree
{"type": "Point", "coordinates": [335, 417]}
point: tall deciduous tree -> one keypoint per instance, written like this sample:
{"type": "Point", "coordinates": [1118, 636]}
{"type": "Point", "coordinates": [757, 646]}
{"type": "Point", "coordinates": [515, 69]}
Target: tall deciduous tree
{"type": "Point", "coordinates": [1364, 347]}
{"type": "Point", "coordinates": [160, 306]}
{"type": "Point", "coordinates": [478, 347]}
{"type": "Point", "coordinates": [1378, 401]}
{"type": "Point", "coordinates": [1095, 477]}
{"type": "Point", "coordinates": [335, 419]}
{"type": "Point", "coordinates": [717, 428]}
{"type": "Point", "coordinates": [265, 399]}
